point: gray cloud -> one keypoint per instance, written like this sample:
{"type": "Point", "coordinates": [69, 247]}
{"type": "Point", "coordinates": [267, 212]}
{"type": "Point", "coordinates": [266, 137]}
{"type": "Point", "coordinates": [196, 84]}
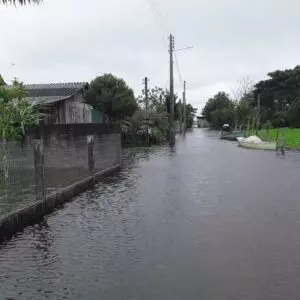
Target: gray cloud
{"type": "Point", "coordinates": [74, 40]}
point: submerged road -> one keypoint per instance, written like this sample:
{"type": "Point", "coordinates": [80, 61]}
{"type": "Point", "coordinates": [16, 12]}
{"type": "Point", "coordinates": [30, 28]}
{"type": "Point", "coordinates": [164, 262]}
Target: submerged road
{"type": "Point", "coordinates": [205, 220]}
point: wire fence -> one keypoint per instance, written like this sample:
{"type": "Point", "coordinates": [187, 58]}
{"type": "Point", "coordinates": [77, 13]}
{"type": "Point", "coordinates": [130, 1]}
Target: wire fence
{"type": "Point", "coordinates": [17, 181]}
{"type": "Point", "coordinates": [32, 170]}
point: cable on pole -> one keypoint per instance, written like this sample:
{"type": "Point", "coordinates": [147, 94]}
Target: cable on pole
{"type": "Point", "coordinates": [161, 20]}
{"type": "Point", "coordinates": [177, 67]}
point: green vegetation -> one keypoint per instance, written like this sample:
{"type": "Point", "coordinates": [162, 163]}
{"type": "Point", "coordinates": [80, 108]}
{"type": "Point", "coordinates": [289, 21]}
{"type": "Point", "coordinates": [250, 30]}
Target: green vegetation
{"type": "Point", "coordinates": [279, 99]}
{"type": "Point", "coordinates": [190, 115]}
{"type": "Point", "coordinates": [112, 96]}
{"type": "Point", "coordinates": [16, 113]}
{"type": "Point", "coordinates": [151, 128]}
{"type": "Point", "coordinates": [219, 110]}
{"type": "Point", "coordinates": [156, 99]}
{"type": "Point", "coordinates": [292, 136]}
{"type": "Point", "coordinates": [136, 130]}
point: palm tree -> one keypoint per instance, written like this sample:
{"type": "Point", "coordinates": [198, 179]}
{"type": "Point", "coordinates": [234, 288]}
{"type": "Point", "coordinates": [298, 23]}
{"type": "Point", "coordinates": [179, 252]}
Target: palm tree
{"type": "Point", "coordinates": [21, 2]}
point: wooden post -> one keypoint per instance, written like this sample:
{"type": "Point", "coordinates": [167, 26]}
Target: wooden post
{"type": "Point", "coordinates": [283, 140]}
{"type": "Point", "coordinates": [277, 135]}
{"type": "Point", "coordinates": [90, 146]}
{"type": "Point", "coordinates": [39, 169]}
{"type": "Point", "coordinates": [258, 114]}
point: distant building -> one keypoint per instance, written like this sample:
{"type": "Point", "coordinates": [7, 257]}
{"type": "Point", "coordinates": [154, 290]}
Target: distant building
{"type": "Point", "coordinates": [62, 103]}
{"type": "Point", "coordinates": [202, 122]}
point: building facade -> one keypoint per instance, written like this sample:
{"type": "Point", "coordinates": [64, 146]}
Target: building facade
{"type": "Point", "coordinates": [61, 103]}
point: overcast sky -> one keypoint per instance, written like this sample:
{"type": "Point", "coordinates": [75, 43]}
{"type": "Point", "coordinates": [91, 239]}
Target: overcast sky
{"type": "Point", "coordinates": [76, 40]}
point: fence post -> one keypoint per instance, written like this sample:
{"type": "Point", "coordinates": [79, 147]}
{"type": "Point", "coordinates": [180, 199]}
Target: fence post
{"type": "Point", "coordinates": [90, 145]}
{"type": "Point", "coordinates": [39, 167]}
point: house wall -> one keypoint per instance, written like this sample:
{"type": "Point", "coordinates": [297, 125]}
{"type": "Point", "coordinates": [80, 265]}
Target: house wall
{"type": "Point", "coordinates": [76, 111]}
{"type": "Point", "coordinates": [70, 111]}
{"type": "Point", "coordinates": [51, 114]}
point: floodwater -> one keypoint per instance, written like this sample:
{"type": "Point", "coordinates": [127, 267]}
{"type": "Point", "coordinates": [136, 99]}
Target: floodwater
{"type": "Point", "coordinates": [204, 220]}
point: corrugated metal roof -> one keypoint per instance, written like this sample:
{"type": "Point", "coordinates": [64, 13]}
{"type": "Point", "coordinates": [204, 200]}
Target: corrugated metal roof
{"type": "Point", "coordinates": [53, 92]}
{"type": "Point", "coordinates": [45, 99]}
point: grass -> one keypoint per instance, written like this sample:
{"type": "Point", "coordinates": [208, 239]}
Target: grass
{"type": "Point", "coordinates": [292, 136]}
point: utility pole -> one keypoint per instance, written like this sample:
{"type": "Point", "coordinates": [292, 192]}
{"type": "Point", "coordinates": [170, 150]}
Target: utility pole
{"type": "Point", "coordinates": [146, 80]}
{"type": "Point", "coordinates": [172, 104]}
{"type": "Point", "coordinates": [180, 116]}
{"type": "Point", "coordinates": [184, 106]}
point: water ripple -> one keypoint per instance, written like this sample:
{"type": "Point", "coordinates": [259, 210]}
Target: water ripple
{"type": "Point", "coordinates": [203, 220]}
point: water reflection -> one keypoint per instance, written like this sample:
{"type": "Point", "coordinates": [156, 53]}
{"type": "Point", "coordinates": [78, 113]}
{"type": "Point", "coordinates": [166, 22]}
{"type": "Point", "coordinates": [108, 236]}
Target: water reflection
{"type": "Point", "coordinates": [202, 220]}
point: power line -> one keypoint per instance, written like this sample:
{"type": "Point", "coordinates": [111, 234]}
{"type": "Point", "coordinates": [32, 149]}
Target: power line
{"type": "Point", "coordinates": [9, 69]}
{"type": "Point", "coordinates": [160, 20]}
{"type": "Point", "coordinates": [160, 17]}
{"type": "Point", "coordinates": [164, 28]}
{"type": "Point", "coordinates": [178, 68]}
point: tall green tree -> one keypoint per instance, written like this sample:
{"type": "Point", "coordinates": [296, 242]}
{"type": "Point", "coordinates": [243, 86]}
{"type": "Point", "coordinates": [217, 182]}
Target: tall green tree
{"type": "Point", "coordinates": [243, 112]}
{"type": "Point", "coordinates": [219, 110]}
{"type": "Point", "coordinates": [190, 115]}
{"type": "Point", "coordinates": [280, 95]}
{"type": "Point", "coordinates": [112, 96]}
{"type": "Point", "coordinates": [156, 99]}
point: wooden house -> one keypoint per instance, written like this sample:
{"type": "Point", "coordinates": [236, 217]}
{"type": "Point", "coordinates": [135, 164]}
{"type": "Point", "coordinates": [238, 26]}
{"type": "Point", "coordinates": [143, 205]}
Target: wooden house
{"type": "Point", "coordinates": [62, 103]}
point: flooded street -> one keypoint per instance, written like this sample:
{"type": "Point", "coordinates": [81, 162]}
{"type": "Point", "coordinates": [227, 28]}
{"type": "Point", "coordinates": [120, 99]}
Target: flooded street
{"type": "Point", "coordinates": [205, 220]}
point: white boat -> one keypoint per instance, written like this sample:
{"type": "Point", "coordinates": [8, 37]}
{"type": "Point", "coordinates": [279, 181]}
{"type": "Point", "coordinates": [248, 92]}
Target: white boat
{"type": "Point", "coordinates": [253, 142]}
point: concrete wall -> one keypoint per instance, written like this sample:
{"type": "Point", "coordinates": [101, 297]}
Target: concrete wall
{"type": "Point", "coordinates": [34, 212]}
{"type": "Point", "coordinates": [68, 164]}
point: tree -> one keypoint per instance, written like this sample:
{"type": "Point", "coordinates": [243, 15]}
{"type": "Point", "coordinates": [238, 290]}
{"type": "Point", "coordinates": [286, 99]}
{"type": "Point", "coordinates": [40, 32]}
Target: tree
{"type": "Point", "coordinates": [219, 110]}
{"type": "Point", "coordinates": [190, 115]}
{"type": "Point", "coordinates": [16, 113]}
{"type": "Point", "coordinates": [279, 95]}
{"type": "Point", "coordinates": [292, 115]}
{"type": "Point", "coordinates": [112, 96]}
{"type": "Point", "coordinates": [242, 99]}
{"type": "Point", "coordinates": [21, 2]}
{"type": "Point", "coordinates": [156, 99]}
{"type": "Point", "coordinates": [243, 112]}
{"type": "Point", "coordinates": [243, 89]}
